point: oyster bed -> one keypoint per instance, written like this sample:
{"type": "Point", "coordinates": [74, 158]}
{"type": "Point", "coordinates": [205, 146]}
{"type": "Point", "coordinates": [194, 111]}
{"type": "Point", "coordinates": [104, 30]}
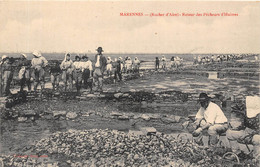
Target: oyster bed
{"type": "Point", "coordinates": [97, 147]}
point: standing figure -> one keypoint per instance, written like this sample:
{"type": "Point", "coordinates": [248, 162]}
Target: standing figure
{"type": "Point", "coordinates": [24, 73]}
{"type": "Point", "coordinates": [122, 64]}
{"type": "Point", "coordinates": [136, 64]}
{"type": "Point", "coordinates": [87, 75]}
{"type": "Point", "coordinates": [55, 72]}
{"type": "Point", "coordinates": [177, 62]}
{"type": "Point", "coordinates": [163, 62]}
{"type": "Point", "coordinates": [67, 68]}
{"type": "Point", "coordinates": [172, 62]}
{"type": "Point", "coordinates": [38, 65]}
{"type": "Point", "coordinates": [109, 67]}
{"type": "Point", "coordinates": [100, 66]}
{"type": "Point", "coordinates": [199, 59]}
{"type": "Point", "coordinates": [128, 64]}
{"type": "Point", "coordinates": [157, 63]}
{"type": "Point", "coordinates": [7, 75]}
{"type": "Point", "coordinates": [117, 70]}
{"type": "Point", "coordinates": [77, 73]}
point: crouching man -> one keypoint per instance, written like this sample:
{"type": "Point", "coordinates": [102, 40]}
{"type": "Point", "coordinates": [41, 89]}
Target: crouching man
{"type": "Point", "coordinates": [211, 118]}
{"type": "Point", "coordinates": [247, 130]}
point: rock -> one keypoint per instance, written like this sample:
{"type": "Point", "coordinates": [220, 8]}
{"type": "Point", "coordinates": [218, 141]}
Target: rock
{"type": "Point", "coordinates": [22, 119]}
{"type": "Point", "coordinates": [81, 97]}
{"type": "Point", "coordinates": [59, 113]}
{"type": "Point", "coordinates": [126, 95]}
{"type": "Point", "coordinates": [118, 95]}
{"type": "Point", "coordinates": [123, 117]}
{"type": "Point", "coordinates": [92, 95]}
{"type": "Point", "coordinates": [48, 117]}
{"type": "Point", "coordinates": [28, 113]}
{"type": "Point", "coordinates": [3, 99]}
{"type": "Point", "coordinates": [114, 113]}
{"type": "Point", "coordinates": [168, 120]}
{"type": "Point", "coordinates": [145, 117]}
{"type": "Point", "coordinates": [148, 130]}
{"type": "Point", "coordinates": [132, 90]}
{"type": "Point", "coordinates": [2, 106]}
{"type": "Point", "coordinates": [57, 93]}
{"type": "Point", "coordinates": [154, 116]}
{"type": "Point", "coordinates": [144, 104]}
{"type": "Point", "coordinates": [177, 118]}
{"type": "Point", "coordinates": [171, 119]}
{"type": "Point", "coordinates": [185, 124]}
{"type": "Point", "coordinates": [102, 96]}
{"type": "Point", "coordinates": [71, 115]}
{"type": "Point", "coordinates": [135, 132]}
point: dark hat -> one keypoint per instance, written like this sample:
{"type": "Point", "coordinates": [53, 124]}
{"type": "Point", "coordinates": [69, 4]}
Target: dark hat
{"type": "Point", "coordinates": [77, 57]}
{"type": "Point", "coordinates": [85, 57]}
{"type": "Point", "coordinates": [99, 49]}
{"type": "Point", "coordinates": [203, 97]}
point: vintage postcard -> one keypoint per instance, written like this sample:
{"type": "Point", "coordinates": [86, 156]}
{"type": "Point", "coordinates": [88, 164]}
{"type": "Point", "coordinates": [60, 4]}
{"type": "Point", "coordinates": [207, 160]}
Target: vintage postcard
{"type": "Point", "coordinates": [122, 83]}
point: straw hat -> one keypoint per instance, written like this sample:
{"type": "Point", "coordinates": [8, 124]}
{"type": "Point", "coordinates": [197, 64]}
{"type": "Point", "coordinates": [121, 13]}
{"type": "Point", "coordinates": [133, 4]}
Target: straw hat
{"type": "Point", "coordinates": [24, 55]}
{"type": "Point", "coordinates": [37, 54]}
{"type": "Point", "coordinates": [4, 57]}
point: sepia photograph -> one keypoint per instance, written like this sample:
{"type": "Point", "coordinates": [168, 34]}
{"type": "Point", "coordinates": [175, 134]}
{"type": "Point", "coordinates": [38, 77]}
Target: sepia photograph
{"type": "Point", "coordinates": [129, 83]}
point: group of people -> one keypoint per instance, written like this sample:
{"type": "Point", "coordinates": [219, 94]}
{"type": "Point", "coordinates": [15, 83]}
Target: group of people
{"type": "Point", "coordinates": [211, 118]}
{"type": "Point", "coordinates": [175, 62]}
{"type": "Point", "coordinates": [82, 71]}
{"type": "Point", "coordinates": [29, 71]}
{"type": "Point", "coordinates": [217, 58]}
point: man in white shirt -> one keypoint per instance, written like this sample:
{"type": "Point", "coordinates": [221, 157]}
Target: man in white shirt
{"type": "Point", "coordinates": [38, 65]}
{"type": "Point", "coordinates": [211, 118]}
{"type": "Point", "coordinates": [87, 73]}
{"type": "Point", "coordinates": [100, 67]}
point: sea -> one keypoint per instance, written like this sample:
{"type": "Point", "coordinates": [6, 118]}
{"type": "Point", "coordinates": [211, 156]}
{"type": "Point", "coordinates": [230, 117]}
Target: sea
{"type": "Point", "coordinates": [142, 56]}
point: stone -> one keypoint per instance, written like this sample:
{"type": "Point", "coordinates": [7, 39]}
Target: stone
{"type": "Point", "coordinates": [135, 132]}
{"type": "Point", "coordinates": [81, 97]}
{"type": "Point", "coordinates": [22, 119]}
{"type": "Point", "coordinates": [28, 113]}
{"type": "Point", "coordinates": [168, 120]}
{"type": "Point", "coordinates": [123, 117]}
{"type": "Point", "coordinates": [114, 113]}
{"type": "Point", "coordinates": [2, 106]}
{"type": "Point", "coordinates": [185, 124]}
{"type": "Point", "coordinates": [71, 115]}
{"type": "Point", "coordinates": [145, 117]}
{"type": "Point", "coordinates": [126, 95]}
{"type": "Point", "coordinates": [132, 90]}
{"type": "Point", "coordinates": [91, 95]}
{"type": "Point", "coordinates": [144, 104]}
{"type": "Point", "coordinates": [177, 118]}
{"type": "Point", "coordinates": [59, 113]}
{"type": "Point", "coordinates": [148, 130]}
{"type": "Point", "coordinates": [48, 117]}
{"type": "Point", "coordinates": [118, 95]}
{"type": "Point", "coordinates": [154, 116]}
{"type": "Point", "coordinates": [102, 96]}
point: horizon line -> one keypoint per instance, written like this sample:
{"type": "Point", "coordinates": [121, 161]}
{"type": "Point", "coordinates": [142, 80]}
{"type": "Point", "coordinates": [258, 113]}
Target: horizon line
{"type": "Point", "coordinates": [48, 52]}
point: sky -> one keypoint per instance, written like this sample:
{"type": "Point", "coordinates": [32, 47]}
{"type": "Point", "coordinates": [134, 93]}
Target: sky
{"type": "Point", "coordinates": [83, 26]}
